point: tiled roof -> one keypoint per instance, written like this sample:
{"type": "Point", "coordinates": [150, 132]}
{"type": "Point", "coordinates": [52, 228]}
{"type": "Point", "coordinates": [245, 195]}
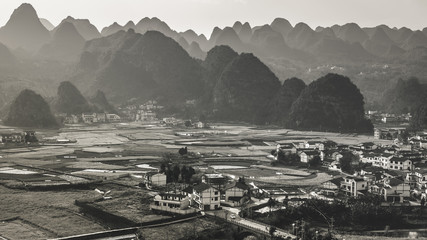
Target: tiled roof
{"type": "Point", "coordinates": [201, 187]}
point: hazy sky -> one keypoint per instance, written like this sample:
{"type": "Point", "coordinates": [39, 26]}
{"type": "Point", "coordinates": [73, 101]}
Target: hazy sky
{"type": "Point", "coordinates": [203, 15]}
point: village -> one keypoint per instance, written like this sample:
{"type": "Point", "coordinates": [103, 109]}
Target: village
{"type": "Point", "coordinates": [185, 168]}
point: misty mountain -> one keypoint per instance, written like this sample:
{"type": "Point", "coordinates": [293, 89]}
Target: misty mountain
{"type": "Point", "coordinates": [24, 30]}
{"type": "Point", "coordinates": [245, 91]}
{"type": "Point", "coordinates": [405, 96]}
{"type": "Point", "coordinates": [331, 103]}
{"type": "Point", "coordinates": [190, 36]}
{"type": "Point", "coordinates": [47, 24]}
{"type": "Point", "coordinates": [129, 25]}
{"type": "Point", "coordinates": [29, 109]}
{"type": "Point", "coordinates": [289, 93]}
{"type": "Point", "coordinates": [379, 43]}
{"type": "Point", "coordinates": [245, 34]}
{"type": "Point", "coordinates": [229, 37]}
{"type": "Point", "coordinates": [195, 51]}
{"type": "Point", "coordinates": [83, 26]}
{"type": "Point", "coordinates": [101, 103]}
{"type": "Point", "coordinates": [66, 44]}
{"type": "Point", "coordinates": [350, 32]}
{"type": "Point", "coordinates": [69, 100]}
{"type": "Point", "coordinates": [416, 39]}
{"type": "Point", "coordinates": [302, 36]}
{"type": "Point", "coordinates": [113, 28]}
{"type": "Point", "coordinates": [282, 26]}
{"type": "Point", "coordinates": [129, 64]}
{"type": "Point", "coordinates": [6, 57]}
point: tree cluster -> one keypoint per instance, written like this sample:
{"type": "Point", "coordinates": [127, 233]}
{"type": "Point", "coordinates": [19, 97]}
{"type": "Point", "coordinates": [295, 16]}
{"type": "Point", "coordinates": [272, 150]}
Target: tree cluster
{"type": "Point", "coordinates": [176, 173]}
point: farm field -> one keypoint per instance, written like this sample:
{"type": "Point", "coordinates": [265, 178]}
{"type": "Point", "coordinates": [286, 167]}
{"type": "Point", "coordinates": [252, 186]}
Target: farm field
{"type": "Point", "coordinates": [116, 156]}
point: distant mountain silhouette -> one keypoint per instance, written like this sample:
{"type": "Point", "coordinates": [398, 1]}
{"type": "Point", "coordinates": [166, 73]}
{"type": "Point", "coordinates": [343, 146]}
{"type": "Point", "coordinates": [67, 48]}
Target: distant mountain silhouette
{"type": "Point", "coordinates": [66, 43]}
{"type": "Point", "coordinates": [282, 26]}
{"type": "Point", "coordinates": [86, 29]}
{"type": "Point", "coordinates": [24, 30]}
{"type": "Point", "coordinates": [229, 37]}
{"type": "Point", "coordinates": [416, 39]}
{"type": "Point", "coordinates": [302, 36]}
{"type": "Point", "coordinates": [69, 100]}
{"type": "Point", "coordinates": [113, 28]}
{"type": "Point", "coordinates": [405, 96]}
{"type": "Point", "coordinates": [30, 110]}
{"type": "Point", "coordinates": [48, 25]}
{"type": "Point", "coordinates": [6, 57]}
{"type": "Point", "coordinates": [331, 103]}
{"type": "Point", "coordinates": [351, 32]}
{"type": "Point", "coordinates": [195, 51]}
{"type": "Point", "coordinates": [129, 25]}
{"type": "Point", "coordinates": [245, 33]}
{"type": "Point", "coordinates": [379, 43]}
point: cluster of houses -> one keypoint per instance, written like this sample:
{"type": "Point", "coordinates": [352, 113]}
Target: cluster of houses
{"type": "Point", "coordinates": [18, 137]}
{"type": "Point", "coordinates": [392, 171]}
{"type": "Point", "coordinates": [146, 112]}
{"type": "Point", "coordinates": [388, 118]}
{"type": "Point", "coordinates": [89, 118]}
{"type": "Point", "coordinates": [306, 150]}
{"type": "Point", "coordinates": [214, 190]}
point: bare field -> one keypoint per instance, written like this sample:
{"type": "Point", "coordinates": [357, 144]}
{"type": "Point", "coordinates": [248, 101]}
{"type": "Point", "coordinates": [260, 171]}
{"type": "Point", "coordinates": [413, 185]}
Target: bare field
{"type": "Point", "coordinates": [51, 212]}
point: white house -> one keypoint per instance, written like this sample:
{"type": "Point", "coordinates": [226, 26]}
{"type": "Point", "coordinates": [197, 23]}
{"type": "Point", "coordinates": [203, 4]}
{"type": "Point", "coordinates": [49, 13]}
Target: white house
{"type": "Point", "coordinates": [402, 164]}
{"type": "Point", "coordinates": [205, 197]}
{"type": "Point", "coordinates": [172, 202]}
{"type": "Point", "coordinates": [353, 186]}
{"type": "Point", "coordinates": [155, 179]}
{"type": "Point", "coordinates": [235, 192]}
{"type": "Point", "coordinates": [306, 156]}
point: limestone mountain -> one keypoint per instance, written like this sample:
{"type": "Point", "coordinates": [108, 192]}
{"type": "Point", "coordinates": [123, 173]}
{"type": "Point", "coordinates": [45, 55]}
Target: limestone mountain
{"type": "Point", "coordinates": [101, 103]}
{"type": "Point", "coordinates": [66, 44]}
{"type": "Point", "coordinates": [195, 51]}
{"type": "Point", "coordinates": [416, 39]}
{"type": "Point", "coordinates": [404, 96]}
{"type": "Point", "coordinates": [47, 24]}
{"type": "Point", "coordinates": [245, 91]}
{"type": "Point", "coordinates": [29, 109]}
{"type": "Point", "coordinates": [302, 36]}
{"type": "Point", "coordinates": [69, 100]}
{"type": "Point", "coordinates": [351, 32]}
{"type": "Point", "coordinates": [129, 64]}
{"type": "Point", "coordinates": [190, 36]}
{"type": "Point", "coordinates": [282, 26]}
{"type": "Point", "coordinates": [269, 42]}
{"type": "Point", "coordinates": [24, 30]}
{"type": "Point", "coordinates": [83, 26]}
{"type": "Point", "coordinates": [129, 25]}
{"type": "Point", "coordinates": [379, 43]}
{"type": "Point", "coordinates": [331, 103]}
{"type": "Point", "coordinates": [229, 37]}
{"type": "Point", "coordinates": [113, 28]}
{"type": "Point", "coordinates": [245, 33]}
{"type": "Point", "coordinates": [155, 24]}
{"type": "Point", "coordinates": [289, 93]}
{"type": "Point", "coordinates": [6, 57]}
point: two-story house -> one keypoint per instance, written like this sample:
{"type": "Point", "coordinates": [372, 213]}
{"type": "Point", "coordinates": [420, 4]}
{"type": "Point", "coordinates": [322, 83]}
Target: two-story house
{"type": "Point", "coordinates": [398, 163]}
{"type": "Point", "coordinates": [172, 202]}
{"type": "Point", "coordinates": [235, 193]}
{"type": "Point", "coordinates": [155, 179]}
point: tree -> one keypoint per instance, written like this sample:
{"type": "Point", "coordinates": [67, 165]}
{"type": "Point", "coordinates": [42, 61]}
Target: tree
{"type": "Point", "coordinates": [183, 151]}
{"type": "Point", "coordinates": [315, 161]}
{"type": "Point", "coordinates": [184, 174]}
{"type": "Point", "coordinates": [345, 162]}
{"type": "Point", "coordinates": [271, 231]}
{"type": "Point", "coordinates": [175, 173]}
{"type": "Point", "coordinates": [163, 167]}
